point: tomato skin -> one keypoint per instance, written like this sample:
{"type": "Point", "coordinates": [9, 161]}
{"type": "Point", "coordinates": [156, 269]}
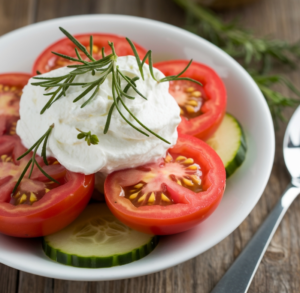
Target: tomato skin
{"type": "Point", "coordinates": [10, 114]}
{"type": "Point", "coordinates": [48, 216]}
{"type": "Point", "coordinates": [58, 208]}
{"type": "Point", "coordinates": [66, 47]}
{"type": "Point", "coordinates": [51, 215]}
{"type": "Point", "coordinates": [214, 108]}
{"type": "Point", "coordinates": [18, 79]}
{"type": "Point", "coordinates": [190, 209]}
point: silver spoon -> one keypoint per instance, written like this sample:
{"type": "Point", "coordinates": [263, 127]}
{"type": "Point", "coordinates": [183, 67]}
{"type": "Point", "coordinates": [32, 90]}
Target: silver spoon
{"type": "Point", "coordinates": [239, 276]}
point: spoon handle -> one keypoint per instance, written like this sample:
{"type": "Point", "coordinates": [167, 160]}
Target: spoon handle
{"type": "Point", "coordinates": [239, 276]}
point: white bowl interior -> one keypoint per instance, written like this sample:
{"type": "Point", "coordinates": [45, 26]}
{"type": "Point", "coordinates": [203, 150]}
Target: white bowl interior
{"type": "Point", "coordinates": [245, 101]}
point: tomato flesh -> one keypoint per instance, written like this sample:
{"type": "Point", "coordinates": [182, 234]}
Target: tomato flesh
{"type": "Point", "coordinates": [11, 85]}
{"type": "Point", "coordinates": [47, 61]}
{"type": "Point", "coordinates": [30, 191]}
{"type": "Point", "coordinates": [9, 100]}
{"type": "Point", "coordinates": [172, 195]}
{"type": "Point", "coordinates": [189, 97]}
{"type": "Point", "coordinates": [152, 188]}
{"type": "Point", "coordinates": [202, 108]}
{"type": "Point", "coordinates": [38, 207]}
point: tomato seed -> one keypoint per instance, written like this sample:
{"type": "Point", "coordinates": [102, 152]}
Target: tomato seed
{"type": "Point", "coordinates": [142, 198]}
{"type": "Point", "coordinates": [165, 198]}
{"type": "Point", "coordinates": [151, 198]}
{"type": "Point", "coordinates": [187, 182]}
{"type": "Point", "coordinates": [133, 196]}
{"type": "Point", "coordinates": [189, 89]}
{"type": "Point", "coordinates": [138, 185]}
{"type": "Point", "coordinates": [196, 94]}
{"type": "Point", "coordinates": [188, 161]}
{"type": "Point", "coordinates": [32, 198]}
{"type": "Point", "coordinates": [180, 158]}
{"type": "Point", "coordinates": [192, 103]}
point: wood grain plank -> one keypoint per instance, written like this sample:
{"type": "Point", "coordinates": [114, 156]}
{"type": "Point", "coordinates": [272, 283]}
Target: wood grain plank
{"type": "Point", "coordinates": [8, 279]}
{"type": "Point", "coordinates": [279, 270]}
{"type": "Point", "coordinates": [14, 14]}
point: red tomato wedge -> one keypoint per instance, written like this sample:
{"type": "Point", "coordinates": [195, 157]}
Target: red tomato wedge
{"type": "Point", "coordinates": [172, 195]}
{"type": "Point", "coordinates": [38, 207]}
{"type": "Point", "coordinates": [202, 108]}
{"type": "Point", "coordinates": [11, 85]}
{"type": "Point", "coordinates": [47, 61]}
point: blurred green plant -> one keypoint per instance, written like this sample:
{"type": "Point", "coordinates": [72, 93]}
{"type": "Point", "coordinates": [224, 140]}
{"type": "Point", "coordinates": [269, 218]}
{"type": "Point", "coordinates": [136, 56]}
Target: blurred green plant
{"type": "Point", "coordinates": [257, 55]}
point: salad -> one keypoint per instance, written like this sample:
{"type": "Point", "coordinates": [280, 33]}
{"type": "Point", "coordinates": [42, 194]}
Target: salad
{"type": "Point", "coordinates": [164, 190]}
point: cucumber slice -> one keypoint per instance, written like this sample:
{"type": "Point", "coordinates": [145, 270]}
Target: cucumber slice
{"type": "Point", "coordinates": [96, 239]}
{"type": "Point", "coordinates": [229, 142]}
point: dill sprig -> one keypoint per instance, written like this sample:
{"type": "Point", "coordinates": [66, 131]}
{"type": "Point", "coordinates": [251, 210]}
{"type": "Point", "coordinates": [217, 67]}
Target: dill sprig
{"type": "Point", "coordinates": [257, 55]}
{"type": "Point", "coordinates": [56, 87]}
{"type": "Point", "coordinates": [33, 161]}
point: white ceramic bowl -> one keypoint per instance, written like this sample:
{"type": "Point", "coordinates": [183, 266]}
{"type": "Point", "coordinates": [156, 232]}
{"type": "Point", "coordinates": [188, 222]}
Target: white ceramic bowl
{"type": "Point", "coordinates": [18, 51]}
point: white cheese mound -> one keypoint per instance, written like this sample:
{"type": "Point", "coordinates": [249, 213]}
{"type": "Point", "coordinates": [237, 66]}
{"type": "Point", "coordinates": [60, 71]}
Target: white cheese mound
{"type": "Point", "coordinates": [122, 147]}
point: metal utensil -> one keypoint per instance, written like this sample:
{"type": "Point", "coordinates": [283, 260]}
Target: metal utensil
{"type": "Point", "coordinates": [239, 276]}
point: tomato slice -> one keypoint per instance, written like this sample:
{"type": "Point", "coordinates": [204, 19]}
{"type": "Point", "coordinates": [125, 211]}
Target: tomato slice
{"type": "Point", "coordinates": [11, 85]}
{"type": "Point", "coordinates": [47, 61]}
{"type": "Point", "coordinates": [172, 195]}
{"type": "Point", "coordinates": [202, 108]}
{"type": "Point", "coordinates": [38, 207]}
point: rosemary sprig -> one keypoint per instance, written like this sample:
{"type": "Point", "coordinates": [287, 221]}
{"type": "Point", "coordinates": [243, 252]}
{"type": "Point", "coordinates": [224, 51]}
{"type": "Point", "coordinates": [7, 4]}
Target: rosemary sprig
{"type": "Point", "coordinates": [237, 42]}
{"type": "Point", "coordinates": [58, 86]}
{"type": "Point", "coordinates": [33, 161]}
{"type": "Point", "coordinates": [257, 55]}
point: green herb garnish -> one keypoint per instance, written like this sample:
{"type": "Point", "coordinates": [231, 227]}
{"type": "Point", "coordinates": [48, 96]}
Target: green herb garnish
{"type": "Point", "coordinates": [33, 161]}
{"type": "Point", "coordinates": [257, 55]}
{"type": "Point", "coordinates": [107, 65]}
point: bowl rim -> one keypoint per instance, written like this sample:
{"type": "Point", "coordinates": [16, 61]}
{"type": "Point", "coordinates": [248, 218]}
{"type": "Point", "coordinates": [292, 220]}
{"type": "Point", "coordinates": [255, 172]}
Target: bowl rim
{"type": "Point", "coordinates": [190, 254]}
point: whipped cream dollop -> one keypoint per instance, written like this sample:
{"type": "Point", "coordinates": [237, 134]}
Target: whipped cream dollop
{"type": "Point", "coordinates": [122, 146]}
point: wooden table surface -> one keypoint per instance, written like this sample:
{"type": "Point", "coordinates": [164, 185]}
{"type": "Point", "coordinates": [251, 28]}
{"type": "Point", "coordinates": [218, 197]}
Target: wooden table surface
{"type": "Point", "coordinates": [280, 267]}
